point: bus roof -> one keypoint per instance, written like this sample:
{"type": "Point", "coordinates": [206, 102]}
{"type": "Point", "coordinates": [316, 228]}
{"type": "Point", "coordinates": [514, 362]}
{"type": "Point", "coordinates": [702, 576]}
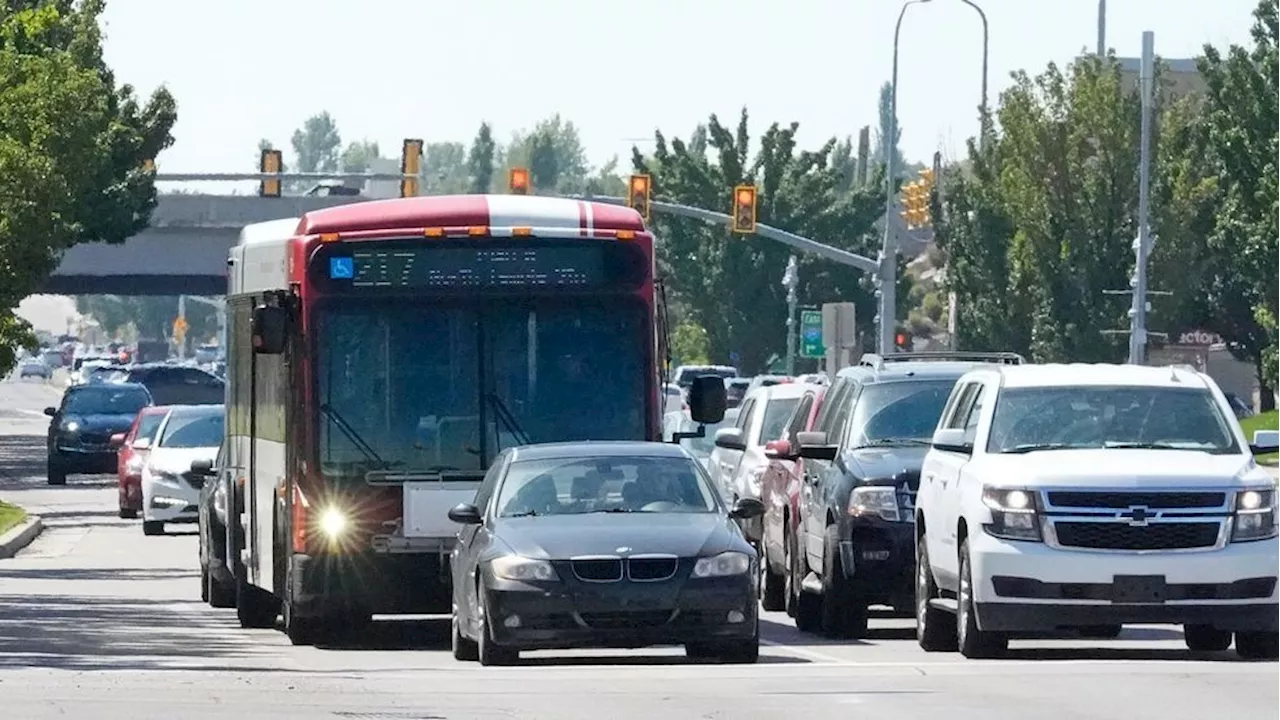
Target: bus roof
{"type": "Point", "coordinates": [544, 215]}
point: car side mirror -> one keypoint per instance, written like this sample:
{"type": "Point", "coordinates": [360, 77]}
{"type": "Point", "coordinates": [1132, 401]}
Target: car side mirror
{"type": "Point", "coordinates": [746, 508]}
{"type": "Point", "coordinates": [707, 401]}
{"type": "Point", "coordinates": [779, 450]}
{"type": "Point", "coordinates": [465, 514]}
{"type": "Point", "coordinates": [50, 411]}
{"type": "Point", "coordinates": [116, 440]}
{"type": "Point", "coordinates": [730, 439]}
{"type": "Point", "coordinates": [814, 446]}
{"type": "Point", "coordinates": [951, 440]}
{"type": "Point", "coordinates": [270, 329]}
{"type": "Point", "coordinates": [202, 467]}
{"type": "Point", "coordinates": [1265, 441]}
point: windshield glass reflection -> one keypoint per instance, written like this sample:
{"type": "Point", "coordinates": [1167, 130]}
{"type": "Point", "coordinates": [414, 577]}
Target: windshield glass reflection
{"type": "Point", "coordinates": [574, 486]}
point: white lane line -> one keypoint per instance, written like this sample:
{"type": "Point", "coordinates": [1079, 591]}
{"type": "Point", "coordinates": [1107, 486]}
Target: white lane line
{"type": "Point", "coordinates": [806, 653]}
{"type": "Point", "coordinates": [29, 413]}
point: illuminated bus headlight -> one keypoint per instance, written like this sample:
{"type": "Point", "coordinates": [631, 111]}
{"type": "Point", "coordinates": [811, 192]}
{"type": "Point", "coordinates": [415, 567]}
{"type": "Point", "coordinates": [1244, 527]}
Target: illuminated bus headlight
{"type": "Point", "coordinates": [334, 523]}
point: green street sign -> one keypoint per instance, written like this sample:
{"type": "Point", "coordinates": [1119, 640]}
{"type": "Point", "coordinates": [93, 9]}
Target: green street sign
{"type": "Point", "coordinates": [811, 334]}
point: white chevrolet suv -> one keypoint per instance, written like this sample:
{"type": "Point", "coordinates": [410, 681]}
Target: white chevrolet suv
{"type": "Point", "coordinates": [1084, 497]}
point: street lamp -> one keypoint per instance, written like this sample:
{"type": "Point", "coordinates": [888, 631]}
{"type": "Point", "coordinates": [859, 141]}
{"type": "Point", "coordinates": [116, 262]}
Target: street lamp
{"type": "Point", "coordinates": [985, 47]}
{"type": "Point", "coordinates": [888, 256]}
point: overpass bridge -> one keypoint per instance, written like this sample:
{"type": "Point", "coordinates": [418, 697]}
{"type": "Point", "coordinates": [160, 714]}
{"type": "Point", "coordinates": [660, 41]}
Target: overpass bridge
{"type": "Point", "coordinates": [184, 251]}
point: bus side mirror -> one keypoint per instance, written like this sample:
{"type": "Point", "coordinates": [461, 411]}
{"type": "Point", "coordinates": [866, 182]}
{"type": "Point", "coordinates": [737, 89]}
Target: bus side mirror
{"type": "Point", "coordinates": [707, 400]}
{"type": "Point", "coordinates": [270, 329]}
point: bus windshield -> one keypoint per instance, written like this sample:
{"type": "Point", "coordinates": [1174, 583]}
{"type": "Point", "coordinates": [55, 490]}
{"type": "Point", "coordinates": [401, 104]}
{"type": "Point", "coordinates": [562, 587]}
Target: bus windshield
{"type": "Point", "coordinates": [435, 385]}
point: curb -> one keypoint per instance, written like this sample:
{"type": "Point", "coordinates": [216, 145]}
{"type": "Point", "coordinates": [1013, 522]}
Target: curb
{"type": "Point", "coordinates": [20, 537]}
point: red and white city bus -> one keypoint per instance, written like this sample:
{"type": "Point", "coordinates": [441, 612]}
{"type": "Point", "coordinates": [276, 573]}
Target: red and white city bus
{"type": "Point", "coordinates": [381, 354]}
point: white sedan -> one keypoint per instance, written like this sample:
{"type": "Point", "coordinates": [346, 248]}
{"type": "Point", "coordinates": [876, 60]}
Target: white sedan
{"type": "Point", "coordinates": [170, 491]}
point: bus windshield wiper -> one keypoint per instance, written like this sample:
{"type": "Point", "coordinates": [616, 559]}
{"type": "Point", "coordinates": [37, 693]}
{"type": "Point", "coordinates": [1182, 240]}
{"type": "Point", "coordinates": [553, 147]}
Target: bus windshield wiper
{"type": "Point", "coordinates": [1037, 447]}
{"type": "Point", "coordinates": [353, 436]}
{"type": "Point", "coordinates": [508, 420]}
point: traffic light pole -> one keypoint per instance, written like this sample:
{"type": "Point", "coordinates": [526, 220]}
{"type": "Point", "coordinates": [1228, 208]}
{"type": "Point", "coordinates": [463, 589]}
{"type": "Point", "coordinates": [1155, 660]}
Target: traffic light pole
{"type": "Point", "coordinates": [791, 280]}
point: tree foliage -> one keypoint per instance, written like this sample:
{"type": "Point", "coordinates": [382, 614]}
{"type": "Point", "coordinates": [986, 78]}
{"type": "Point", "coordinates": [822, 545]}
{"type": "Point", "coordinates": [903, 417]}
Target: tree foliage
{"type": "Point", "coordinates": [731, 285]}
{"type": "Point", "coordinates": [72, 147]}
{"type": "Point", "coordinates": [317, 144]}
{"type": "Point", "coordinates": [480, 160]}
{"type": "Point", "coordinates": [148, 317]}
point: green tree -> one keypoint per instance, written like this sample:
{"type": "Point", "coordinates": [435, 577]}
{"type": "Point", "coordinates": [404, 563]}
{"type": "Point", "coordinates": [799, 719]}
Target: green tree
{"type": "Point", "coordinates": [151, 316]}
{"type": "Point", "coordinates": [480, 161]}
{"type": "Point", "coordinates": [358, 156]}
{"type": "Point", "coordinates": [317, 144]}
{"type": "Point", "coordinates": [73, 148]}
{"type": "Point", "coordinates": [882, 131]}
{"type": "Point", "coordinates": [444, 168]}
{"type": "Point", "coordinates": [562, 161]}
{"type": "Point", "coordinates": [1241, 146]}
{"type": "Point", "coordinates": [689, 345]}
{"type": "Point", "coordinates": [730, 285]}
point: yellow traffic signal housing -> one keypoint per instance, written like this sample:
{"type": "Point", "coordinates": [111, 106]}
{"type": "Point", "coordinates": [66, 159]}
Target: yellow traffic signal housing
{"type": "Point", "coordinates": [915, 204]}
{"type": "Point", "coordinates": [744, 209]}
{"type": "Point", "coordinates": [518, 181]}
{"type": "Point", "coordinates": [271, 161]}
{"type": "Point", "coordinates": [410, 168]}
{"type": "Point", "coordinates": [639, 195]}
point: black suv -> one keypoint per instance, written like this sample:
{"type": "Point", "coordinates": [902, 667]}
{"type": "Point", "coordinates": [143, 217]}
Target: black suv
{"type": "Point", "coordinates": [81, 427]}
{"type": "Point", "coordinates": [858, 495]}
{"type": "Point", "coordinates": [178, 385]}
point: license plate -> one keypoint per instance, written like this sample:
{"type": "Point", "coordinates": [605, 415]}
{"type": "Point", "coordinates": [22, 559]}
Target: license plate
{"type": "Point", "coordinates": [1138, 589]}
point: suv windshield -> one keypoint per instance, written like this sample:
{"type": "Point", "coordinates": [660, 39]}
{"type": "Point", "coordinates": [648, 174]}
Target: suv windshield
{"type": "Point", "coordinates": [193, 430]}
{"type": "Point", "coordinates": [575, 486]}
{"type": "Point", "coordinates": [1109, 417]}
{"type": "Point", "coordinates": [904, 411]}
{"type": "Point", "coordinates": [106, 400]}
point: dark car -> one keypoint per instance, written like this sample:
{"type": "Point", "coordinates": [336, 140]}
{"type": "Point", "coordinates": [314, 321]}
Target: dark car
{"type": "Point", "coordinates": [176, 385]}
{"type": "Point", "coordinates": [856, 534]}
{"type": "Point", "coordinates": [217, 559]}
{"type": "Point", "coordinates": [81, 427]}
{"type": "Point", "coordinates": [602, 545]}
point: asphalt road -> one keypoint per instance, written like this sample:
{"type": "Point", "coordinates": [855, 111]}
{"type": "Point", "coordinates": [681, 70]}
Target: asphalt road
{"type": "Point", "coordinates": [97, 621]}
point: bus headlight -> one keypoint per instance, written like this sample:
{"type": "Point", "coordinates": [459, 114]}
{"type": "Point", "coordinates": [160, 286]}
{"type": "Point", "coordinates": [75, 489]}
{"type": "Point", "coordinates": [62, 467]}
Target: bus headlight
{"type": "Point", "coordinates": [333, 523]}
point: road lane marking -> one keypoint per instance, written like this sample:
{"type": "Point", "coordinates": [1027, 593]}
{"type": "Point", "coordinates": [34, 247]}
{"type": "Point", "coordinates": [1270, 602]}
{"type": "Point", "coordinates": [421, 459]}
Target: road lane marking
{"type": "Point", "coordinates": [805, 653]}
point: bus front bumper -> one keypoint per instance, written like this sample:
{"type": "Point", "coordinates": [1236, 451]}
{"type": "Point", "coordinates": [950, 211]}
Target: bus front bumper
{"type": "Point", "coordinates": [375, 583]}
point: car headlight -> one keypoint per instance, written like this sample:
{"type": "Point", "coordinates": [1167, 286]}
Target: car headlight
{"type": "Point", "coordinates": [723, 565]}
{"type": "Point", "coordinates": [875, 501]}
{"type": "Point", "coordinates": [1013, 514]}
{"type": "Point", "coordinates": [522, 569]}
{"type": "Point", "coordinates": [220, 503]}
{"type": "Point", "coordinates": [1255, 517]}
{"type": "Point", "coordinates": [70, 426]}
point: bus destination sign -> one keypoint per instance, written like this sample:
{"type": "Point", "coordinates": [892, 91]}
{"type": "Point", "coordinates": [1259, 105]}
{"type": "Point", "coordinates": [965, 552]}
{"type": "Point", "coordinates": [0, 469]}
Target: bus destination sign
{"type": "Point", "coordinates": [469, 267]}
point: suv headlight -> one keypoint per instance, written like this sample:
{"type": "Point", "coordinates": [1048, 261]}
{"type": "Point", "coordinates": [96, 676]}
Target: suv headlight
{"type": "Point", "coordinates": [723, 565]}
{"type": "Point", "coordinates": [1013, 514]}
{"type": "Point", "coordinates": [1255, 517]}
{"type": "Point", "coordinates": [522, 569]}
{"type": "Point", "coordinates": [875, 501]}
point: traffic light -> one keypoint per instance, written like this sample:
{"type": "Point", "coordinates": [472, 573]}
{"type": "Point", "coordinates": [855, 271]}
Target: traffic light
{"type": "Point", "coordinates": [902, 340]}
{"type": "Point", "coordinates": [518, 181]}
{"type": "Point", "coordinates": [915, 204]}
{"type": "Point", "coordinates": [271, 161]}
{"type": "Point", "coordinates": [744, 209]}
{"type": "Point", "coordinates": [410, 168]}
{"type": "Point", "coordinates": [639, 196]}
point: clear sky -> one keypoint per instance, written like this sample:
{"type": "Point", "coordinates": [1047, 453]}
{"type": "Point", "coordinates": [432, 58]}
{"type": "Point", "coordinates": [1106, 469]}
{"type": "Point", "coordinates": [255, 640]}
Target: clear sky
{"type": "Point", "coordinates": [389, 69]}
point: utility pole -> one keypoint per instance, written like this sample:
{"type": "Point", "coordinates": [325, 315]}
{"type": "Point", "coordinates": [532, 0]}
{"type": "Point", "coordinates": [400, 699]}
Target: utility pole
{"type": "Point", "coordinates": [790, 280]}
{"type": "Point", "coordinates": [864, 152]}
{"type": "Point", "coordinates": [1142, 248]}
{"type": "Point", "coordinates": [1102, 28]}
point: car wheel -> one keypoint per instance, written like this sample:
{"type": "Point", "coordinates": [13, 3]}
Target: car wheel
{"type": "Point", "coordinates": [844, 613]}
{"type": "Point", "coordinates": [1205, 638]}
{"type": "Point", "coordinates": [1257, 645]}
{"type": "Point", "coordinates": [57, 476]}
{"type": "Point", "coordinates": [204, 584]}
{"type": "Point", "coordinates": [152, 527]}
{"type": "Point", "coordinates": [128, 514]}
{"type": "Point", "coordinates": [740, 652]}
{"type": "Point", "coordinates": [464, 648]}
{"type": "Point", "coordinates": [773, 585]}
{"type": "Point", "coordinates": [488, 652]}
{"type": "Point", "coordinates": [935, 628]}
{"type": "Point", "coordinates": [220, 594]}
{"type": "Point", "coordinates": [973, 641]}
{"type": "Point", "coordinates": [807, 606]}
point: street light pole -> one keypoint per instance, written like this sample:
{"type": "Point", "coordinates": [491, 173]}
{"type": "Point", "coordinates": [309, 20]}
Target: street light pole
{"type": "Point", "coordinates": [888, 260]}
{"type": "Point", "coordinates": [790, 280]}
{"type": "Point", "coordinates": [986, 46]}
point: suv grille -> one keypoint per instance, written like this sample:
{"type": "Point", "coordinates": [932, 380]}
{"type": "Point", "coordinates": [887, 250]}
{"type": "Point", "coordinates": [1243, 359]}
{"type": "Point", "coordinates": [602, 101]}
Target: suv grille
{"type": "Point", "coordinates": [1121, 536]}
{"type": "Point", "coordinates": [1119, 500]}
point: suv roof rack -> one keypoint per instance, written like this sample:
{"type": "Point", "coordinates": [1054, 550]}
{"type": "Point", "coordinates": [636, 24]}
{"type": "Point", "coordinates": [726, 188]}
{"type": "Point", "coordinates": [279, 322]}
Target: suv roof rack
{"type": "Point", "coordinates": [879, 361]}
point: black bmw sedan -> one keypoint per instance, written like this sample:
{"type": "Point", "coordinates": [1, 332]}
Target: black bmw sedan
{"type": "Point", "coordinates": [602, 545]}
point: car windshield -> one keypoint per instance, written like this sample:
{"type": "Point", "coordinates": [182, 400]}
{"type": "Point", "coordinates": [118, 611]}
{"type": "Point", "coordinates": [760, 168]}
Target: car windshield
{"type": "Point", "coordinates": [898, 412]}
{"type": "Point", "coordinates": [776, 414]}
{"type": "Point", "coordinates": [105, 400]}
{"type": "Point", "coordinates": [574, 486]}
{"type": "Point", "coordinates": [147, 425]}
{"type": "Point", "coordinates": [192, 430]}
{"type": "Point", "coordinates": [1109, 417]}
{"type": "Point", "coordinates": [448, 386]}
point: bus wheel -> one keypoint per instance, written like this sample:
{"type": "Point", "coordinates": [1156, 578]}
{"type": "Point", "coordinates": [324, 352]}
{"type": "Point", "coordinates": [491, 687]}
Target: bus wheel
{"type": "Point", "coordinates": [302, 630]}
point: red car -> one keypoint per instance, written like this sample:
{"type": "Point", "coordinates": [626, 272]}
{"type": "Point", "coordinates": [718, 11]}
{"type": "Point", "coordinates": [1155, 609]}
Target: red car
{"type": "Point", "coordinates": [780, 492]}
{"type": "Point", "coordinates": [132, 455]}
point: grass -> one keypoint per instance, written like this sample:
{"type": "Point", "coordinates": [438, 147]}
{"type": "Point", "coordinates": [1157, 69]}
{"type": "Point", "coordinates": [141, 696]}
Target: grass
{"type": "Point", "coordinates": [1261, 421]}
{"type": "Point", "coordinates": [10, 516]}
